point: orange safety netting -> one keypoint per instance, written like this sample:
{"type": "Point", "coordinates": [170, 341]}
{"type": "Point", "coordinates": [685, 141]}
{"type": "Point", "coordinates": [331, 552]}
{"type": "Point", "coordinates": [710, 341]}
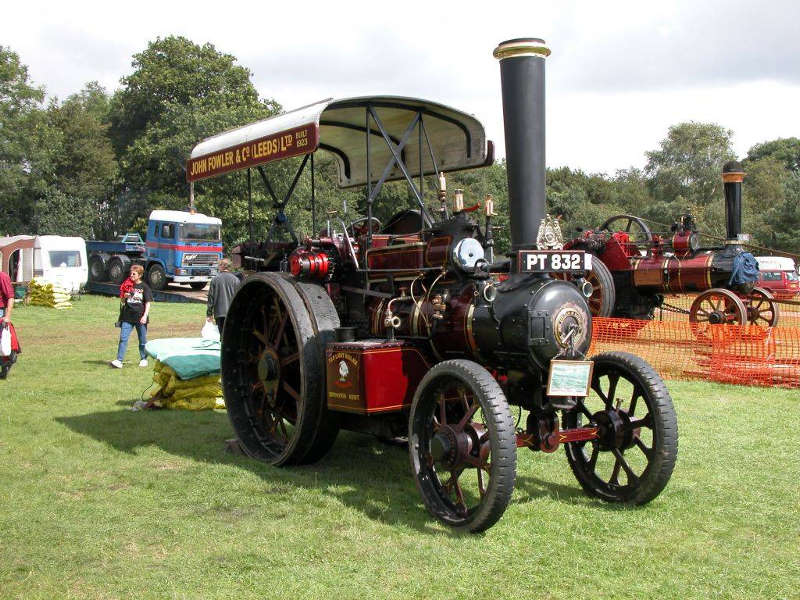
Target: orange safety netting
{"type": "Point", "coordinates": [678, 349]}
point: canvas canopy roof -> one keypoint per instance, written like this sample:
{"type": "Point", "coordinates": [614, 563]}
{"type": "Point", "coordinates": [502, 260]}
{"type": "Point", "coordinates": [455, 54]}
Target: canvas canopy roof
{"type": "Point", "coordinates": [457, 140]}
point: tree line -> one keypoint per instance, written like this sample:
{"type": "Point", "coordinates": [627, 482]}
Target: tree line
{"type": "Point", "coordinates": [96, 163]}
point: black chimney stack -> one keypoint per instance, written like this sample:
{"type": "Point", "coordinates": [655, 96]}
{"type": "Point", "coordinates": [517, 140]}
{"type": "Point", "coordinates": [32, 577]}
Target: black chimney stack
{"type": "Point", "coordinates": [732, 176]}
{"type": "Point", "coordinates": [522, 78]}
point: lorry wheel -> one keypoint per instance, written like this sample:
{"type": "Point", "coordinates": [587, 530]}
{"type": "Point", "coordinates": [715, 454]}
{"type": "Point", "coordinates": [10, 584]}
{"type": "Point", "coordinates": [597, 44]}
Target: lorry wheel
{"type": "Point", "coordinates": [156, 277]}
{"type": "Point", "coordinates": [273, 365]}
{"type": "Point", "coordinates": [97, 268]}
{"type": "Point", "coordinates": [632, 459]}
{"type": "Point", "coordinates": [118, 268]}
{"type": "Point", "coordinates": [462, 445]}
{"type": "Point", "coordinates": [197, 285]}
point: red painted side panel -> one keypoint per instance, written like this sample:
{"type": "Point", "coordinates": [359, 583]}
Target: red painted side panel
{"type": "Point", "coordinates": [400, 257]}
{"type": "Point", "coordinates": [373, 376]}
{"type": "Point", "coordinates": [436, 253]}
{"type": "Point", "coordinates": [615, 257]}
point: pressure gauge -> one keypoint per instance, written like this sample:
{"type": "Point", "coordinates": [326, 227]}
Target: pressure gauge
{"type": "Point", "coordinates": [467, 252]}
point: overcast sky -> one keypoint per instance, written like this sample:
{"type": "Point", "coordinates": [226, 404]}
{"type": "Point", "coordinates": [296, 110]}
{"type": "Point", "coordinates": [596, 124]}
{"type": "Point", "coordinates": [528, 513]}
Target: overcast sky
{"type": "Point", "coordinates": [619, 75]}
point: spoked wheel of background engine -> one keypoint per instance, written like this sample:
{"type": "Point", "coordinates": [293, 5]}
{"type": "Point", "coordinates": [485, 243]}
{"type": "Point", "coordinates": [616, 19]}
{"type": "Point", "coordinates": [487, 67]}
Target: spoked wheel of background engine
{"type": "Point", "coordinates": [716, 306]}
{"type": "Point", "coordinates": [197, 285]}
{"type": "Point", "coordinates": [462, 445]}
{"type": "Point", "coordinates": [156, 277]}
{"type": "Point", "coordinates": [273, 368]}
{"type": "Point", "coordinates": [636, 228]}
{"type": "Point", "coordinates": [633, 457]}
{"type": "Point", "coordinates": [761, 308]}
{"type": "Point", "coordinates": [601, 302]}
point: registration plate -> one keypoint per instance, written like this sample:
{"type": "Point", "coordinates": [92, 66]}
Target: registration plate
{"type": "Point", "coordinates": [553, 261]}
{"type": "Point", "coordinates": [570, 378]}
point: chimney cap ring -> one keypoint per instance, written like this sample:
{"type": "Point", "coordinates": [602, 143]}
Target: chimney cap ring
{"type": "Point", "coordinates": [521, 47]}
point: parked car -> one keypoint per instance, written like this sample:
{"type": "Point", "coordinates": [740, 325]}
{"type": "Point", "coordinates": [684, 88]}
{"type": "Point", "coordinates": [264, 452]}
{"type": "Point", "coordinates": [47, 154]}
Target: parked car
{"type": "Point", "coordinates": [778, 275]}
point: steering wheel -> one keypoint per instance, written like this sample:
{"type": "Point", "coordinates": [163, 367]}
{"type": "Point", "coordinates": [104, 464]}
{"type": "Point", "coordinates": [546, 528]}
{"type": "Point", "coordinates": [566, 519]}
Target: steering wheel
{"type": "Point", "coordinates": [359, 226]}
{"type": "Point", "coordinates": [641, 233]}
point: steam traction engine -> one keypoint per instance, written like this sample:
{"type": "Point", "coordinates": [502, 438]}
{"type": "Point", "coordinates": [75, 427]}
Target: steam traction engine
{"type": "Point", "coordinates": [636, 267]}
{"type": "Point", "coordinates": [403, 328]}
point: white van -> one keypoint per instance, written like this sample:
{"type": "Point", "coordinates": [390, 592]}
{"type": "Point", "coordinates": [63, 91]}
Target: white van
{"type": "Point", "coordinates": [61, 261]}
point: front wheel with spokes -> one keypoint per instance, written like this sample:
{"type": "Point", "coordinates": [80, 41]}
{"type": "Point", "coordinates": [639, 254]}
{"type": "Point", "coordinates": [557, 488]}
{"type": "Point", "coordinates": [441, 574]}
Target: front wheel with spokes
{"type": "Point", "coordinates": [462, 445]}
{"type": "Point", "coordinates": [634, 454]}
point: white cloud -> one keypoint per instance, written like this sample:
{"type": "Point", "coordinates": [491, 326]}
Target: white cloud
{"type": "Point", "coordinates": [621, 71]}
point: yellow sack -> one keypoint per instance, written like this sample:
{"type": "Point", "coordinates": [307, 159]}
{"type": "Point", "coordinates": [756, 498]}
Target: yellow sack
{"type": "Point", "coordinates": [207, 391]}
{"type": "Point", "coordinates": [176, 384]}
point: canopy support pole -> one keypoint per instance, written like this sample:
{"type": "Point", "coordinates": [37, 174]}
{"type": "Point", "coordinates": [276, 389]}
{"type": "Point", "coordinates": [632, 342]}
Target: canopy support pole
{"type": "Point", "coordinates": [313, 201]}
{"type": "Point", "coordinates": [250, 204]}
{"type": "Point", "coordinates": [281, 219]}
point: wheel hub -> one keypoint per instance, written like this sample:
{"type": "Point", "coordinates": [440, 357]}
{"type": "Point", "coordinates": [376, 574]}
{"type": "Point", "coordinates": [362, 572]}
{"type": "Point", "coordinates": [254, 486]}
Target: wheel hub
{"type": "Point", "coordinates": [449, 447]}
{"type": "Point", "coordinates": [268, 368]}
{"type": "Point", "coordinates": [716, 317]}
{"type": "Point", "coordinates": [615, 430]}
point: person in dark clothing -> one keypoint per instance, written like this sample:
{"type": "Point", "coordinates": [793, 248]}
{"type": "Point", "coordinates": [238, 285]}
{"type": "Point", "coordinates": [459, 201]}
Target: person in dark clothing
{"type": "Point", "coordinates": [220, 293]}
{"type": "Point", "coordinates": [134, 315]}
{"type": "Point", "coordinates": [6, 306]}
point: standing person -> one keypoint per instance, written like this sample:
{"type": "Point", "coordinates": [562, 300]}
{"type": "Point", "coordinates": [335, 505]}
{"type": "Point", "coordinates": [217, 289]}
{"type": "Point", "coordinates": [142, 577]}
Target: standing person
{"type": "Point", "coordinates": [6, 306]}
{"type": "Point", "coordinates": [220, 293]}
{"type": "Point", "coordinates": [135, 311]}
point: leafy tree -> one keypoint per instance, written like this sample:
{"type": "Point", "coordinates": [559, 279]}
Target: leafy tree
{"type": "Point", "coordinates": [178, 94]}
{"type": "Point", "coordinates": [770, 200]}
{"type": "Point", "coordinates": [25, 148]}
{"type": "Point", "coordinates": [60, 214]}
{"type": "Point", "coordinates": [175, 71]}
{"type": "Point", "coordinates": [84, 165]}
{"type": "Point", "coordinates": [688, 165]}
{"type": "Point", "coordinates": [631, 193]}
{"type": "Point", "coordinates": [786, 150]}
{"type": "Point", "coordinates": [581, 201]}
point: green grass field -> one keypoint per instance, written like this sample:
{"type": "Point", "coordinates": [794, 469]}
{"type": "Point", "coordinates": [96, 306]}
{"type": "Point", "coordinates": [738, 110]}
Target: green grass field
{"type": "Point", "coordinates": [97, 501]}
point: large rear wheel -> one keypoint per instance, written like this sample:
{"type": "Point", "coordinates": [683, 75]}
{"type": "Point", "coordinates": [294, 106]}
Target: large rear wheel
{"type": "Point", "coordinates": [604, 296]}
{"type": "Point", "coordinates": [634, 454]}
{"type": "Point", "coordinates": [273, 369]}
{"type": "Point", "coordinates": [462, 445]}
{"type": "Point", "coordinates": [601, 302]}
